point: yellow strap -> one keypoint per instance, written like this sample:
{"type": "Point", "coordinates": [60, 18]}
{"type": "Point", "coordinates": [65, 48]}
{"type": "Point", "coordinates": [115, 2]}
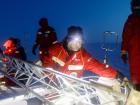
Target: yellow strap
{"type": "Point", "coordinates": [123, 52]}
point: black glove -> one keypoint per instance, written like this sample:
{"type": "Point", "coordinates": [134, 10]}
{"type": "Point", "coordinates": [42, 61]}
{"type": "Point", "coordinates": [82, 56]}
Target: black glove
{"type": "Point", "coordinates": [34, 49]}
{"type": "Point", "coordinates": [120, 77]}
{"type": "Point", "coordinates": [124, 58]}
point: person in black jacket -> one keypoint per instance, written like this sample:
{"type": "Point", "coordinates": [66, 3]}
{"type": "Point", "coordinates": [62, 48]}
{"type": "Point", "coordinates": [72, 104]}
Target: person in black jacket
{"type": "Point", "coordinates": [45, 37]}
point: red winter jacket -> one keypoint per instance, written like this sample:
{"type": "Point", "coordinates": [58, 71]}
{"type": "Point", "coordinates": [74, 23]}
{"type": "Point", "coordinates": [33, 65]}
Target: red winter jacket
{"type": "Point", "coordinates": [76, 63]}
{"type": "Point", "coordinates": [15, 52]}
{"type": "Point", "coordinates": [131, 44]}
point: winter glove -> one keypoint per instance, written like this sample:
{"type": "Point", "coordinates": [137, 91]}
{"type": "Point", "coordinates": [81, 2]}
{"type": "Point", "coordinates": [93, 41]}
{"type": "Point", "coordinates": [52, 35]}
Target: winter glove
{"type": "Point", "coordinates": [121, 84]}
{"type": "Point", "coordinates": [120, 77]}
{"type": "Point", "coordinates": [5, 60]}
{"type": "Point", "coordinates": [116, 86]}
{"type": "Point", "coordinates": [124, 83]}
{"type": "Point", "coordinates": [124, 56]}
{"type": "Point", "coordinates": [34, 49]}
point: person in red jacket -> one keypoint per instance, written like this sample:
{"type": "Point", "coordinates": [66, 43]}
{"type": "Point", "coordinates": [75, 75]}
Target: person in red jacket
{"type": "Point", "coordinates": [131, 49]}
{"type": "Point", "coordinates": [131, 43]}
{"type": "Point", "coordinates": [71, 58]}
{"type": "Point", "coordinates": [13, 48]}
{"type": "Point", "coordinates": [46, 36]}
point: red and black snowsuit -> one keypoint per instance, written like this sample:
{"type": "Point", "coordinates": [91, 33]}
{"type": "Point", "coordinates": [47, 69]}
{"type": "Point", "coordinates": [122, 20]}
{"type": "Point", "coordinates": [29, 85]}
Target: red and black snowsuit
{"type": "Point", "coordinates": [14, 51]}
{"type": "Point", "coordinates": [75, 63]}
{"type": "Point", "coordinates": [46, 36]}
{"type": "Point", "coordinates": [131, 44]}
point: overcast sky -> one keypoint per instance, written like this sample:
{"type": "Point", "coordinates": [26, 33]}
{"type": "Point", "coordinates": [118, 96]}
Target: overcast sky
{"type": "Point", "coordinates": [19, 18]}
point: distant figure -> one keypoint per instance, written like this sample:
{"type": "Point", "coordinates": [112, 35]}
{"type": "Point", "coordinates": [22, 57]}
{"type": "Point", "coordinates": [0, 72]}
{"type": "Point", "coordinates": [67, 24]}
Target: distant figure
{"type": "Point", "coordinates": [131, 43]}
{"type": "Point", "coordinates": [46, 36]}
{"type": "Point", "coordinates": [13, 48]}
{"type": "Point", "coordinates": [71, 58]}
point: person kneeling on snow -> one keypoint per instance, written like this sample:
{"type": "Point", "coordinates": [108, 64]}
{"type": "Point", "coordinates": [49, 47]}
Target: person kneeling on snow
{"type": "Point", "coordinates": [71, 58]}
{"type": "Point", "coordinates": [13, 48]}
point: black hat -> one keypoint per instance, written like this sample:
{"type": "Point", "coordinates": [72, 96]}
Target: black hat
{"type": "Point", "coordinates": [135, 5]}
{"type": "Point", "coordinates": [43, 22]}
{"type": "Point", "coordinates": [74, 32]}
{"type": "Point", "coordinates": [74, 29]}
